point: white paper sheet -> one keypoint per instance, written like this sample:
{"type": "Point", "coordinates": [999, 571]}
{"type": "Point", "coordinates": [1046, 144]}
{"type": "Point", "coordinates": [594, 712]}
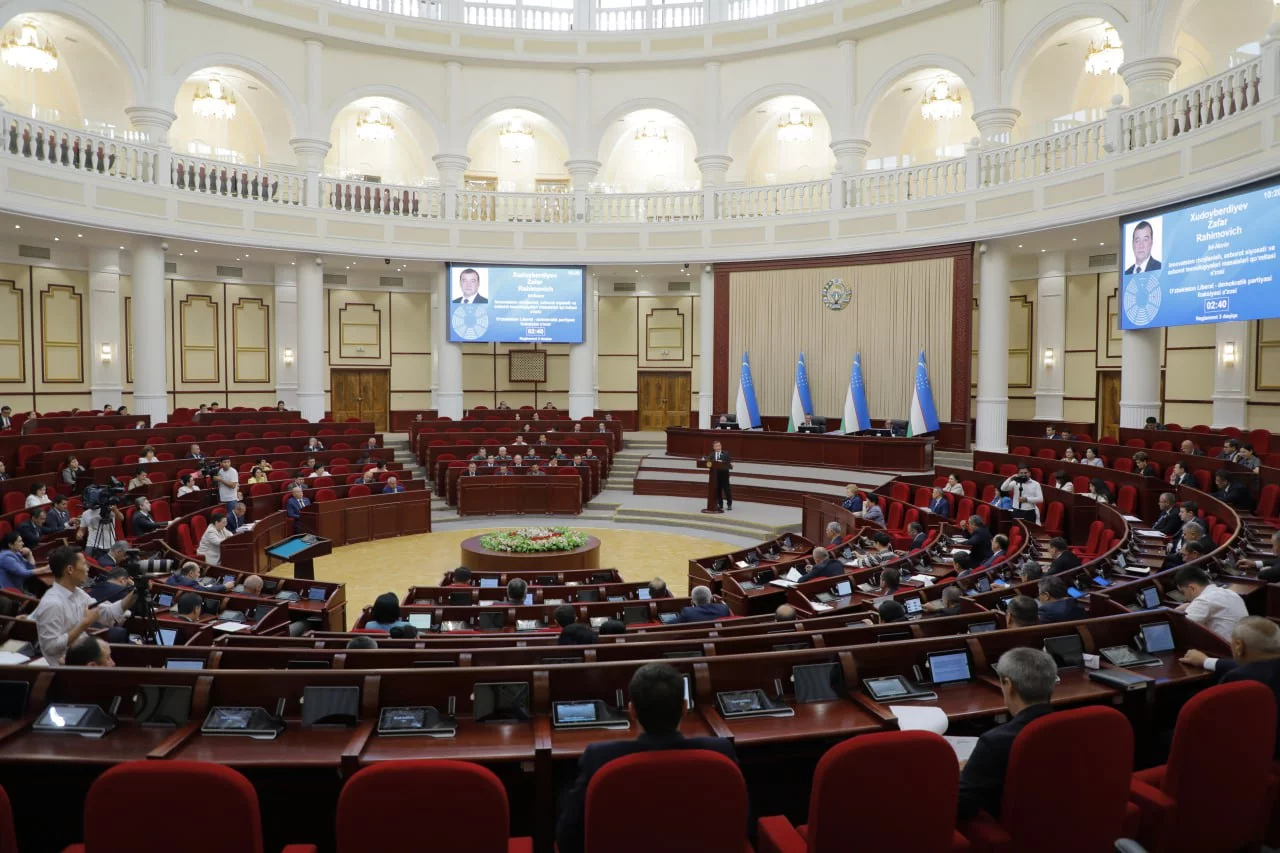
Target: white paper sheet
{"type": "Point", "coordinates": [922, 718]}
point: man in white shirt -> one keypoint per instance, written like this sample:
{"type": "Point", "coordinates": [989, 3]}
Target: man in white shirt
{"type": "Point", "coordinates": [98, 537]}
{"type": "Point", "coordinates": [66, 611]}
{"type": "Point", "coordinates": [228, 480]}
{"type": "Point", "coordinates": [1025, 493]}
{"type": "Point", "coordinates": [1214, 607]}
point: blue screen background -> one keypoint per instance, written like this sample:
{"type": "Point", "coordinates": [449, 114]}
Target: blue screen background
{"type": "Point", "coordinates": [525, 305]}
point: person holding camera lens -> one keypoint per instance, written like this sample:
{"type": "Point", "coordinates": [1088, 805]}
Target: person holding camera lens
{"type": "Point", "coordinates": [1025, 493]}
{"type": "Point", "coordinates": [228, 480]}
{"type": "Point", "coordinates": [66, 611]}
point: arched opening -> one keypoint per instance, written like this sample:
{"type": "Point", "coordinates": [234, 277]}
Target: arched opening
{"type": "Point", "coordinates": [383, 140]}
{"type": "Point", "coordinates": [1213, 39]}
{"type": "Point", "coordinates": [517, 151]}
{"type": "Point", "coordinates": [784, 140]}
{"type": "Point", "coordinates": [900, 133]}
{"type": "Point", "coordinates": [230, 116]}
{"type": "Point", "coordinates": [648, 151]}
{"type": "Point", "coordinates": [1057, 89]}
{"type": "Point", "coordinates": [86, 89]}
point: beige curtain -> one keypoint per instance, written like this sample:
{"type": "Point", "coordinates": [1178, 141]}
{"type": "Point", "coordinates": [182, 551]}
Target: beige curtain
{"type": "Point", "coordinates": [896, 311]}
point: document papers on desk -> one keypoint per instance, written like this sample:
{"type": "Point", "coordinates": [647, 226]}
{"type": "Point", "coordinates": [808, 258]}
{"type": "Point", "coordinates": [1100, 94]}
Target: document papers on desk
{"type": "Point", "coordinates": [920, 718]}
{"type": "Point", "coordinates": [962, 745]}
{"type": "Point", "coordinates": [782, 582]}
{"type": "Point", "coordinates": [232, 627]}
{"type": "Point", "coordinates": [818, 606]}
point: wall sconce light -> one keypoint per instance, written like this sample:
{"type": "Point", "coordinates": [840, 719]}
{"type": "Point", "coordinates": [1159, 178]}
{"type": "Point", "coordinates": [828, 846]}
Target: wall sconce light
{"type": "Point", "coordinates": [106, 354]}
{"type": "Point", "coordinates": [1229, 354]}
{"type": "Point", "coordinates": [288, 357]}
{"type": "Point", "coordinates": [1048, 357]}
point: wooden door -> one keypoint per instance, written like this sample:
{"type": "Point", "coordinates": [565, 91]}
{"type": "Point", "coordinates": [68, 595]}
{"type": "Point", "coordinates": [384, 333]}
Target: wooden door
{"type": "Point", "coordinates": [363, 394]}
{"type": "Point", "coordinates": [664, 400]}
{"type": "Point", "coordinates": [1109, 403]}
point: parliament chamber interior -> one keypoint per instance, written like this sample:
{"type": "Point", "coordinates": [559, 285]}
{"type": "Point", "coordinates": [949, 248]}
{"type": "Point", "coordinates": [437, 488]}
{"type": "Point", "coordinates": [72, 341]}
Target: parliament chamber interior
{"type": "Point", "coordinates": [639, 425]}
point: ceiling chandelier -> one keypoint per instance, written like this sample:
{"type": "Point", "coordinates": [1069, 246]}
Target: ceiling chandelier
{"type": "Point", "coordinates": [24, 49]}
{"type": "Point", "coordinates": [213, 100]}
{"type": "Point", "coordinates": [795, 126]}
{"type": "Point", "coordinates": [940, 103]}
{"type": "Point", "coordinates": [516, 136]}
{"type": "Point", "coordinates": [375, 126]}
{"type": "Point", "coordinates": [653, 138]}
{"type": "Point", "coordinates": [1107, 57]}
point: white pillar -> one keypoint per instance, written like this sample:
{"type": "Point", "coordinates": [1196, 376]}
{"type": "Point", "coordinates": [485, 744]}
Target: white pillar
{"type": "Point", "coordinates": [582, 395]}
{"type": "Point", "coordinates": [447, 398]}
{"type": "Point", "coordinates": [1231, 380]}
{"type": "Point", "coordinates": [286, 355]}
{"type": "Point", "coordinates": [706, 345]}
{"type": "Point", "coordinates": [1139, 377]}
{"type": "Point", "coordinates": [311, 337]}
{"type": "Point", "coordinates": [1149, 79]}
{"type": "Point", "coordinates": [1051, 335]}
{"type": "Point", "coordinates": [150, 380]}
{"type": "Point", "coordinates": [993, 350]}
{"type": "Point", "coordinates": [105, 327]}
{"type": "Point", "coordinates": [153, 116]}
{"type": "Point", "coordinates": [593, 294]}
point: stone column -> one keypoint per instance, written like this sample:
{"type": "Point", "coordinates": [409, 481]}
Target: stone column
{"type": "Point", "coordinates": [995, 125]}
{"type": "Point", "coordinates": [1231, 379]}
{"type": "Point", "coordinates": [105, 327]}
{"type": "Point", "coordinates": [582, 394]}
{"type": "Point", "coordinates": [582, 164]}
{"type": "Point", "coordinates": [309, 155]}
{"type": "Point", "coordinates": [447, 398]}
{"type": "Point", "coordinates": [993, 350]}
{"type": "Point", "coordinates": [150, 380]}
{"type": "Point", "coordinates": [154, 116]}
{"type": "Point", "coordinates": [706, 345]}
{"type": "Point", "coordinates": [311, 337]}
{"type": "Point", "coordinates": [286, 355]}
{"type": "Point", "coordinates": [1051, 334]}
{"type": "Point", "coordinates": [1148, 79]}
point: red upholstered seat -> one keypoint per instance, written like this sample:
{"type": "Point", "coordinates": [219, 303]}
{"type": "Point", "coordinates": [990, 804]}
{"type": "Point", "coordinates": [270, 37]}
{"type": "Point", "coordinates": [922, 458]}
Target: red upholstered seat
{"type": "Point", "coordinates": [359, 490]}
{"type": "Point", "coordinates": [198, 526]}
{"type": "Point", "coordinates": [1223, 741]}
{"type": "Point", "coordinates": [13, 501]}
{"type": "Point", "coordinates": [323, 495]}
{"type": "Point", "coordinates": [170, 787]}
{"type": "Point", "coordinates": [646, 783]}
{"type": "Point", "coordinates": [382, 805]}
{"type": "Point", "coordinates": [1052, 523]}
{"type": "Point", "coordinates": [1038, 762]}
{"type": "Point", "coordinates": [258, 489]}
{"type": "Point", "coordinates": [858, 783]}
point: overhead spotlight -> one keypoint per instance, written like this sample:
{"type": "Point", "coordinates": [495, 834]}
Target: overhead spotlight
{"type": "Point", "coordinates": [17, 227]}
{"type": "Point", "coordinates": [57, 239]}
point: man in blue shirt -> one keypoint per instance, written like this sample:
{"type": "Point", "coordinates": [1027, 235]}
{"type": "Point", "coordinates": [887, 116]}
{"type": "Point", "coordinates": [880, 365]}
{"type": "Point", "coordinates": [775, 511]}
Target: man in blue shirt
{"type": "Point", "coordinates": [16, 562]}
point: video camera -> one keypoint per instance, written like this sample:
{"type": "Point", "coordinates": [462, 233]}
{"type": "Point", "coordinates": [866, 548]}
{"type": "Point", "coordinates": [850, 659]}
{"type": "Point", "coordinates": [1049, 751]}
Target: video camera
{"type": "Point", "coordinates": [103, 496]}
{"type": "Point", "coordinates": [141, 571]}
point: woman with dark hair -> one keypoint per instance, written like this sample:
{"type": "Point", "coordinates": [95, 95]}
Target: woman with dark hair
{"type": "Point", "coordinates": [890, 581]}
{"type": "Point", "coordinates": [37, 495]}
{"type": "Point", "coordinates": [1098, 491]}
{"type": "Point", "coordinates": [385, 613]}
{"type": "Point", "coordinates": [1062, 481]}
{"type": "Point", "coordinates": [186, 485]}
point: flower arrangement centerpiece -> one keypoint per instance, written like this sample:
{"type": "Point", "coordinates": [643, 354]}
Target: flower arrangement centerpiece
{"type": "Point", "coordinates": [534, 540]}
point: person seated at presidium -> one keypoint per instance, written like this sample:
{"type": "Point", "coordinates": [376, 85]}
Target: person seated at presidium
{"type": "Point", "coordinates": [657, 700]}
{"type": "Point", "coordinates": [703, 608]}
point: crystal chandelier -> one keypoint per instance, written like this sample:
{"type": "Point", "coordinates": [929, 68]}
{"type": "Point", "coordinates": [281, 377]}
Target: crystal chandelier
{"type": "Point", "coordinates": [375, 126]}
{"type": "Point", "coordinates": [795, 127]}
{"type": "Point", "coordinates": [214, 101]}
{"type": "Point", "coordinates": [1107, 57]}
{"type": "Point", "coordinates": [652, 137]}
{"type": "Point", "coordinates": [940, 102]}
{"type": "Point", "coordinates": [24, 50]}
{"type": "Point", "coordinates": [516, 136]}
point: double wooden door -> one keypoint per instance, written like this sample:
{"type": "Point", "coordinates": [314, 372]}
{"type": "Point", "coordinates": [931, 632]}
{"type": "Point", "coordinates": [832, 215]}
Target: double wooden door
{"type": "Point", "coordinates": [664, 400]}
{"type": "Point", "coordinates": [363, 394]}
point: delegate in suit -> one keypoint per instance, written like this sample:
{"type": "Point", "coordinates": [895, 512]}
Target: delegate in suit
{"type": "Point", "coordinates": [469, 282]}
{"type": "Point", "coordinates": [1255, 656]}
{"type": "Point", "coordinates": [724, 492]}
{"type": "Point", "coordinates": [1143, 240]}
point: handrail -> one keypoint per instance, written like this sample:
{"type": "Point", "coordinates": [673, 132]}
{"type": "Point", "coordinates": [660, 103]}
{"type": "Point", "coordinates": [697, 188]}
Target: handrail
{"type": "Point", "coordinates": [212, 177]}
{"type": "Point", "coordinates": [485, 206]}
{"type": "Point", "coordinates": [780, 200]}
{"type": "Point", "coordinates": [1192, 108]}
{"type": "Point", "coordinates": [353, 196]}
{"type": "Point", "coordinates": [869, 189]}
{"type": "Point", "coordinates": [78, 149]}
{"type": "Point", "coordinates": [1056, 153]}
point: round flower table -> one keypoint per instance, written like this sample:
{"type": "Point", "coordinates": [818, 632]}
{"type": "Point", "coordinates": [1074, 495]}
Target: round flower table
{"type": "Point", "coordinates": [478, 558]}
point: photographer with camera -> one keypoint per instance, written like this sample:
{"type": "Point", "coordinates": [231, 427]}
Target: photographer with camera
{"type": "Point", "coordinates": [1025, 493]}
{"type": "Point", "coordinates": [97, 528]}
{"type": "Point", "coordinates": [66, 611]}
{"type": "Point", "coordinates": [228, 480]}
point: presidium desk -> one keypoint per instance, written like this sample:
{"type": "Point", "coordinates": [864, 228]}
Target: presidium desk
{"type": "Point", "coordinates": [793, 448]}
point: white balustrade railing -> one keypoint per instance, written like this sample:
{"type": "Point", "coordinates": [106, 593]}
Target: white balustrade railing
{"type": "Point", "coordinates": [484, 206]}
{"type": "Point", "coordinates": [618, 208]}
{"type": "Point", "coordinates": [782, 200]}
{"type": "Point", "coordinates": [869, 189]}
{"type": "Point", "coordinates": [737, 10]}
{"type": "Point", "coordinates": [255, 183]}
{"type": "Point", "coordinates": [1190, 109]}
{"type": "Point", "coordinates": [381, 199]}
{"type": "Point", "coordinates": [1064, 150]}
{"type": "Point", "coordinates": [430, 9]}
{"type": "Point", "coordinates": [651, 16]}
{"type": "Point", "coordinates": [76, 149]}
{"type": "Point", "coordinates": [518, 14]}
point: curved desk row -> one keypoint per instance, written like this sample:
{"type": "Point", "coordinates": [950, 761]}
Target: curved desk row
{"type": "Point", "coordinates": [839, 451]}
{"type": "Point", "coordinates": [560, 494]}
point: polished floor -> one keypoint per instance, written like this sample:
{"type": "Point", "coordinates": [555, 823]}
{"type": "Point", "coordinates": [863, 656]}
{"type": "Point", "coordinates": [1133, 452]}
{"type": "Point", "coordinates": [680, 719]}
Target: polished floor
{"type": "Point", "coordinates": [371, 568]}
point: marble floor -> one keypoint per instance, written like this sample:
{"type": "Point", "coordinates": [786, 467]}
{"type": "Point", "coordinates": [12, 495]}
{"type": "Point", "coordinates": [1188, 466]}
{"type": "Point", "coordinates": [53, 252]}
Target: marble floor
{"type": "Point", "coordinates": [372, 568]}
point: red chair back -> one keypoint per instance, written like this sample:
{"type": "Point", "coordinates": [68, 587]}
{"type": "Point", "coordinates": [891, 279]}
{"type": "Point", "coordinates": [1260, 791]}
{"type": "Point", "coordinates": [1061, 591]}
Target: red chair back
{"type": "Point", "coordinates": [1038, 763]}
{"type": "Point", "coordinates": [325, 495]}
{"type": "Point", "coordinates": [636, 783]}
{"type": "Point", "coordinates": [170, 787]}
{"type": "Point", "coordinates": [382, 805]}
{"type": "Point", "coordinates": [359, 490]}
{"type": "Point", "coordinates": [859, 783]}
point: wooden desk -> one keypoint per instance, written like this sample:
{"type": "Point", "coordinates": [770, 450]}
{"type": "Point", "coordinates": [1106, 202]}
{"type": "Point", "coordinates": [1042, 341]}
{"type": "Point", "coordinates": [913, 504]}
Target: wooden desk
{"type": "Point", "coordinates": [369, 517]}
{"type": "Point", "coordinates": [557, 494]}
{"type": "Point", "coordinates": [836, 451]}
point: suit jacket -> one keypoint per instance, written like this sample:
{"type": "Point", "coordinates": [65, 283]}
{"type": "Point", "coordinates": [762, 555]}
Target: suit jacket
{"type": "Point", "coordinates": [829, 569]}
{"type": "Point", "coordinates": [979, 545]}
{"type": "Point", "coordinates": [570, 827]}
{"type": "Point", "coordinates": [143, 523]}
{"type": "Point", "coordinates": [1270, 573]}
{"type": "Point", "coordinates": [1184, 480]}
{"type": "Point", "coordinates": [982, 780]}
{"type": "Point", "coordinates": [1061, 610]}
{"type": "Point", "coordinates": [853, 504]}
{"type": "Point", "coordinates": [184, 581]}
{"type": "Point", "coordinates": [293, 508]}
{"type": "Point", "coordinates": [479, 300]}
{"type": "Point", "coordinates": [1265, 671]}
{"type": "Point", "coordinates": [1148, 471]}
{"type": "Point", "coordinates": [1152, 266]}
{"type": "Point", "coordinates": [723, 474]}
{"type": "Point", "coordinates": [704, 612]}
{"type": "Point", "coordinates": [940, 507]}
{"type": "Point", "coordinates": [1063, 562]}
{"type": "Point", "coordinates": [234, 522]}
{"type": "Point", "coordinates": [103, 590]}
{"type": "Point", "coordinates": [56, 520]}
{"type": "Point", "coordinates": [991, 560]}
{"type": "Point", "coordinates": [1168, 523]}
{"type": "Point", "coordinates": [1236, 495]}
{"type": "Point", "coordinates": [918, 542]}
{"type": "Point", "coordinates": [29, 532]}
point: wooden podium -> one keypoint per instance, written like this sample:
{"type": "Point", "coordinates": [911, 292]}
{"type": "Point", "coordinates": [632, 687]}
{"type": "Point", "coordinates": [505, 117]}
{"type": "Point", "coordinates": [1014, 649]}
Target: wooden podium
{"type": "Point", "coordinates": [713, 475]}
{"type": "Point", "coordinates": [301, 550]}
